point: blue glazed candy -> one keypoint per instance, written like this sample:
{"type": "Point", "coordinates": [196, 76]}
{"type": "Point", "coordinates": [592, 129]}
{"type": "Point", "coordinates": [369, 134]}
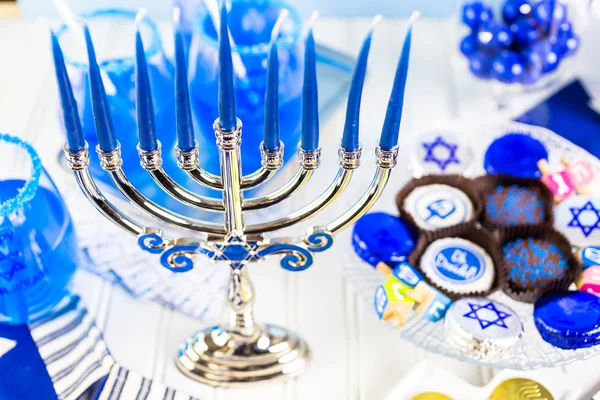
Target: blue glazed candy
{"type": "Point", "coordinates": [533, 263]}
{"type": "Point", "coordinates": [548, 13]}
{"type": "Point", "coordinates": [508, 67]}
{"type": "Point", "coordinates": [494, 35]}
{"type": "Point", "coordinates": [476, 13]}
{"type": "Point", "coordinates": [526, 31]}
{"type": "Point", "coordinates": [480, 64]}
{"type": "Point", "coordinates": [513, 9]}
{"type": "Point", "coordinates": [514, 205]}
{"type": "Point", "coordinates": [469, 45]}
{"type": "Point", "coordinates": [515, 154]}
{"type": "Point", "coordinates": [568, 319]}
{"type": "Point", "coordinates": [380, 237]}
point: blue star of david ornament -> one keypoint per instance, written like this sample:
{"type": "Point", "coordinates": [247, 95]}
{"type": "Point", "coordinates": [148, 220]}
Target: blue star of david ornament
{"type": "Point", "coordinates": [442, 163]}
{"type": "Point", "coordinates": [586, 229]}
{"type": "Point", "coordinates": [485, 323]}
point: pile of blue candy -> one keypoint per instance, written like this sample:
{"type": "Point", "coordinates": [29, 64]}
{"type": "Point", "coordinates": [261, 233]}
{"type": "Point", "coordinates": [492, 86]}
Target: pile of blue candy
{"type": "Point", "coordinates": [531, 40]}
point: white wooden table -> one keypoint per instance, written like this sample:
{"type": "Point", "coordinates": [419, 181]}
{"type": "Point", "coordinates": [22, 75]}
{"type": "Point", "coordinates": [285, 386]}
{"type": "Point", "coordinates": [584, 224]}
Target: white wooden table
{"type": "Point", "coordinates": [354, 355]}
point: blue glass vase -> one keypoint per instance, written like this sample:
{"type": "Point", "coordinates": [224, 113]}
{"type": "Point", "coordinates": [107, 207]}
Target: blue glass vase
{"type": "Point", "coordinates": [113, 33]}
{"type": "Point", "coordinates": [250, 25]}
{"type": "Point", "coordinates": [38, 247]}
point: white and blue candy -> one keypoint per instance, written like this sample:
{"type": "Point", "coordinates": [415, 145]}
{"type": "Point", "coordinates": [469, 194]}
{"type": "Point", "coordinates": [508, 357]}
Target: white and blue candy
{"type": "Point", "coordinates": [438, 206]}
{"type": "Point", "coordinates": [458, 266]}
{"type": "Point", "coordinates": [483, 328]}
{"type": "Point", "coordinates": [578, 218]}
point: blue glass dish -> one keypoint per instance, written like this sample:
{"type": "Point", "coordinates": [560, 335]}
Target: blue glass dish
{"type": "Point", "coordinates": [250, 24]}
{"type": "Point", "coordinates": [38, 247]}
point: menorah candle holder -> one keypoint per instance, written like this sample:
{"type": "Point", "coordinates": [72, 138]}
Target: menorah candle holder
{"type": "Point", "coordinates": [239, 350]}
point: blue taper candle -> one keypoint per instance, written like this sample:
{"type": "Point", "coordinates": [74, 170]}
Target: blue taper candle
{"type": "Point", "coordinates": [310, 98]}
{"type": "Point", "coordinates": [105, 129]}
{"type": "Point", "coordinates": [143, 96]}
{"type": "Point", "coordinates": [227, 118]}
{"type": "Point", "coordinates": [393, 115]}
{"type": "Point", "coordinates": [271, 138]}
{"type": "Point", "coordinates": [75, 141]}
{"type": "Point", "coordinates": [185, 127]}
{"type": "Point", "coordinates": [350, 137]}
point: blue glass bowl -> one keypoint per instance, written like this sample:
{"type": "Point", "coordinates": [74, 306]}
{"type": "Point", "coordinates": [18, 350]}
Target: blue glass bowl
{"type": "Point", "coordinates": [38, 247]}
{"type": "Point", "coordinates": [250, 24]}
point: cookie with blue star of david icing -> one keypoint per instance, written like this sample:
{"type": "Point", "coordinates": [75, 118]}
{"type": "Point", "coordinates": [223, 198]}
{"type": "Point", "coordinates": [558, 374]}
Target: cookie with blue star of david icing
{"type": "Point", "coordinates": [438, 206]}
{"type": "Point", "coordinates": [440, 153]}
{"type": "Point", "coordinates": [483, 328]}
{"type": "Point", "coordinates": [578, 218]}
{"type": "Point", "coordinates": [458, 266]}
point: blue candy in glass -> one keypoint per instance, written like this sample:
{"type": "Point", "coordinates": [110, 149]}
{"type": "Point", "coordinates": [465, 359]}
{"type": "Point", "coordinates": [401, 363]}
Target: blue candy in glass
{"type": "Point", "coordinates": [380, 237]}
{"type": "Point", "coordinates": [568, 319]}
{"type": "Point", "coordinates": [494, 35]}
{"type": "Point", "coordinates": [469, 45]}
{"type": "Point", "coordinates": [515, 154]}
{"type": "Point", "coordinates": [38, 247]}
{"type": "Point", "coordinates": [526, 31]}
{"type": "Point", "coordinates": [513, 9]}
{"type": "Point", "coordinates": [548, 13]}
{"type": "Point", "coordinates": [250, 25]}
{"type": "Point", "coordinates": [113, 34]}
{"type": "Point", "coordinates": [508, 67]}
{"type": "Point", "coordinates": [476, 13]}
{"type": "Point", "coordinates": [480, 64]}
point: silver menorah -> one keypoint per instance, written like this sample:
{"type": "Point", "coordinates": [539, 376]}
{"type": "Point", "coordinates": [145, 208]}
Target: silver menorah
{"type": "Point", "coordinates": [239, 350]}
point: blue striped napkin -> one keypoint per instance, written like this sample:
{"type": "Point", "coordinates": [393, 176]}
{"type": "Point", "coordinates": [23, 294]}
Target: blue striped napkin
{"type": "Point", "coordinates": [62, 355]}
{"type": "Point", "coordinates": [124, 384]}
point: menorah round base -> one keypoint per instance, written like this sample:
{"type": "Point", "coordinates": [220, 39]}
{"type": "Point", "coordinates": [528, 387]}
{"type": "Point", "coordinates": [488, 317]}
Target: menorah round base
{"type": "Point", "coordinates": [219, 357]}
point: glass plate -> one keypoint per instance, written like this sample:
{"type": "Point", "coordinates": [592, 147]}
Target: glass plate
{"type": "Point", "coordinates": [532, 351]}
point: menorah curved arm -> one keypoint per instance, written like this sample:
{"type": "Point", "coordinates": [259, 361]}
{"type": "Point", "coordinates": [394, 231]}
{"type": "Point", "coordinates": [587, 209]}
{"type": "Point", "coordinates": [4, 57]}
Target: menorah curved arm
{"type": "Point", "coordinates": [111, 162]}
{"type": "Point", "coordinates": [151, 161]}
{"type": "Point", "coordinates": [386, 160]}
{"type": "Point", "coordinates": [308, 162]}
{"type": "Point", "coordinates": [349, 161]}
{"type": "Point", "coordinates": [296, 182]}
{"type": "Point", "coordinates": [188, 161]}
{"type": "Point", "coordinates": [79, 162]}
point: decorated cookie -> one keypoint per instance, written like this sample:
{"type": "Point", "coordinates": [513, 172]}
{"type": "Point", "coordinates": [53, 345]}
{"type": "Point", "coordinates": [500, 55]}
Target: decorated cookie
{"type": "Point", "coordinates": [441, 153]}
{"type": "Point", "coordinates": [533, 263]}
{"type": "Point", "coordinates": [514, 205]}
{"type": "Point", "coordinates": [438, 206]}
{"type": "Point", "coordinates": [458, 266]}
{"type": "Point", "coordinates": [515, 154]}
{"type": "Point", "coordinates": [382, 238]}
{"type": "Point", "coordinates": [578, 218]}
{"type": "Point", "coordinates": [568, 319]}
{"type": "Point", "coordinates": [483, 328]}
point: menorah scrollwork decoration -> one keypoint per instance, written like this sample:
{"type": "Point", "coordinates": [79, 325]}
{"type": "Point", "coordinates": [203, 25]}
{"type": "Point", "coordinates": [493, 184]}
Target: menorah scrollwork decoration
{"type": "Point", "coordinates": [240, 350]}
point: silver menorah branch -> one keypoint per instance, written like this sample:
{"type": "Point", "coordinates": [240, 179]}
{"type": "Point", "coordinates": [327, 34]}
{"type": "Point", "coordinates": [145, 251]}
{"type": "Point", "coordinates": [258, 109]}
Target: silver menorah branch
{"type": "Point", "coordinates": [239, 350]}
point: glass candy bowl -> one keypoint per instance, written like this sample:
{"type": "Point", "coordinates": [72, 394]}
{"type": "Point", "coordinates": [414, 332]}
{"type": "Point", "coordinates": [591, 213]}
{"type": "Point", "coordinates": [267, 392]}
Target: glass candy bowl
{"type": "Point", "coordinates": [519, 46]}
{"type": "Point", "coordinates": [38, 247]}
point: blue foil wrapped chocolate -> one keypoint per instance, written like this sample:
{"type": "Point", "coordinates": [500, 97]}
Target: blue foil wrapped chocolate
{"type": "Point", "coordinates": [568, 319]}
{"type": "Point", "coordinates": [515, 154]}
